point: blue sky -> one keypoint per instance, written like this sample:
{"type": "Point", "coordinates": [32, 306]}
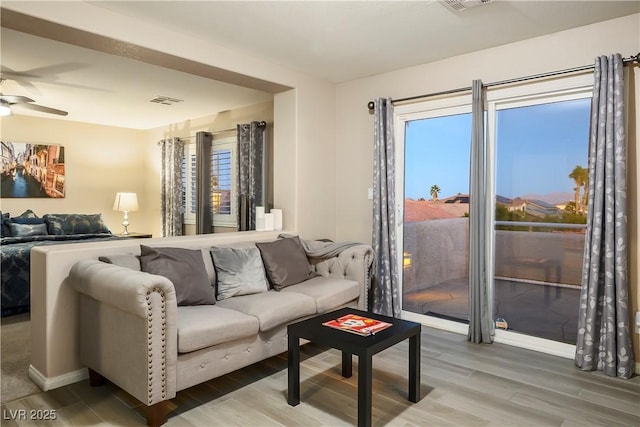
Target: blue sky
{"type": "Point", "coordinates": [538, 147]}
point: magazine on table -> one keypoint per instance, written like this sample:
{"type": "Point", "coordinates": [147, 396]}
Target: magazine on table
{"type": "Point", "coordinates": [357, 324]}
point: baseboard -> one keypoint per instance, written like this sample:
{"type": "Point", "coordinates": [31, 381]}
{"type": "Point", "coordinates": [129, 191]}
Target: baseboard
{"type": "Point", "coordinates": [46, 383]}
{"type": "Point", "coordinates": [510, 338]}
{"type": "Point", "coordinates": [436, 322]}
{"type": "Point", "coordinates": [529, 342]}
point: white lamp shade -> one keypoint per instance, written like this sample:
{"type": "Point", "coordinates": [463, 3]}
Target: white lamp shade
{"type": "Point", "coordinates": [126, 202]}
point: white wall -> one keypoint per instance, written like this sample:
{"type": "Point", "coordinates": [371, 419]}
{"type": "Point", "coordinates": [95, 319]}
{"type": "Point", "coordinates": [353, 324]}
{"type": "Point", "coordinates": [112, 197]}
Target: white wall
{"type": "Point", "coordinates": [99, 162]}
{"type": "Point", "coordinates": [567, 49]}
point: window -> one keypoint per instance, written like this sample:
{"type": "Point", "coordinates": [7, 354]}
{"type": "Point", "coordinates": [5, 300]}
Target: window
{"type": "Point", "coordinates": [223, 183]}
{"type": "Point", "coordinates": [537, 137]}
{"type": "Point", "coordinates": [189, 184]}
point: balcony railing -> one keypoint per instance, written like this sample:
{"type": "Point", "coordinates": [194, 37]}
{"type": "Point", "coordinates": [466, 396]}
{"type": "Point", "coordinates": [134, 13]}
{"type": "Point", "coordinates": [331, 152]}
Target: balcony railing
{"type": "Point", "coordinates": [439, 252]}
{"type": "Point", "coordinates": [542, 225]}
{"type": "Point", "coordinates": [546, 257]}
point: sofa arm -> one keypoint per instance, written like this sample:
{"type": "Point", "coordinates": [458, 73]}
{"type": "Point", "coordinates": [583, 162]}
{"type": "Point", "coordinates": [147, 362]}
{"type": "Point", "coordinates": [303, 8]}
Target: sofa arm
{"type": "Point", "coordinates": [353, 263]}
{"type": "Point", "coordinates": [128, 328]}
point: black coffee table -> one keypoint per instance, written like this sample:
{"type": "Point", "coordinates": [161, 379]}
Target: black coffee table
{"type": "Point", "coordinates": [362, 346]}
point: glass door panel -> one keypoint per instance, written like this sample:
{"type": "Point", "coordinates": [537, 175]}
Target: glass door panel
{"type": "Point", "coordinates": [540, 213]}
{"type": "Point", "coordinates": [436, 209]}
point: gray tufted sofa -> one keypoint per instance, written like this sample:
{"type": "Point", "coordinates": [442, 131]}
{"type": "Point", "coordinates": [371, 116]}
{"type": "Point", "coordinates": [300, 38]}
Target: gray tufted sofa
{"type": "Point", "coordinates": [133, 333]}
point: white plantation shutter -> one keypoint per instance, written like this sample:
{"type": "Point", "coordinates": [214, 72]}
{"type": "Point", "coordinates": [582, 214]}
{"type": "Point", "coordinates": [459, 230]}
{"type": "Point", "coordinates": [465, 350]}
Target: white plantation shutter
{"type": "Point", "coordinates": [189, 184]}
{"type": "Point", "coordinates": [223, 183]}
{"type": "Point", "coordinates": [221, 170]}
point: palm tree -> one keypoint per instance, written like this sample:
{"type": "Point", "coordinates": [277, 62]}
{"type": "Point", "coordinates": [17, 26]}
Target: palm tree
{"type": "Point", "coordinates": [581, 176]}
{"type": "Point", "coordinates": [434, 192]}
{"type": "Point", "coordinates": [585, 192]}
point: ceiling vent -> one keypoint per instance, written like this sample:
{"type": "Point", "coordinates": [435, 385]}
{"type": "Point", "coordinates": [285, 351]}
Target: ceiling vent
{"type": "Point", "coordinates": [165, 100]}
{"type": "Point", "coordinates": [460, 5]}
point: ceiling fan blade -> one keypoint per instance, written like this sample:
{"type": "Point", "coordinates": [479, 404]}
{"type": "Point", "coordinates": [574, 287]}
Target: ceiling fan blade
{"type": "Point", "coordinates": [15, 99]}
{"type": "Point", "coordinates": [7, 73]}
{"type": "Point", "coordinates": [42, 109]}
{"type": "Point", "coordinates": [40, 72]}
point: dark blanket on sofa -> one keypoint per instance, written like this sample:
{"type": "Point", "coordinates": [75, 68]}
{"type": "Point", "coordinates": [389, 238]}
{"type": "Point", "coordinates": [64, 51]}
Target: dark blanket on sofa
{"type": "Point", "coordinates": [15, 256]}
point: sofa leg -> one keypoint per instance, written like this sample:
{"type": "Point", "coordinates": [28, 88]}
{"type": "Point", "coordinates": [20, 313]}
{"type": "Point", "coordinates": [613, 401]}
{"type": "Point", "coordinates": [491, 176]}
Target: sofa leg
{"type": "Point", "coordinates": [95, 379]}
{"type": "Point", "coordinates": [157, 414]}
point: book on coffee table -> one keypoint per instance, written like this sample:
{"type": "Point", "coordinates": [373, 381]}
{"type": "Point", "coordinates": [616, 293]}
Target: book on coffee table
{"type": "Point", "coordinates": [357, 324]}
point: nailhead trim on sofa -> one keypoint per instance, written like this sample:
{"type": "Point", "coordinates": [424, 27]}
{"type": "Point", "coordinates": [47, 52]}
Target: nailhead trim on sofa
{"type": "Point", "coordinates": [150, 343]}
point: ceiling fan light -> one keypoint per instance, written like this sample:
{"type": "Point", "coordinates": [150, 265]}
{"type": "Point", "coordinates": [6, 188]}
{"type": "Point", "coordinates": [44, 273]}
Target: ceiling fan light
{"type": "Point", "coordinates": [5, 110]}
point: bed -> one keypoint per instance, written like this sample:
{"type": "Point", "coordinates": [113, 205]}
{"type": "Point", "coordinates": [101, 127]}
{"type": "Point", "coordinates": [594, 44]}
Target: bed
{"type": "Point", "coordinates": [18, 238]}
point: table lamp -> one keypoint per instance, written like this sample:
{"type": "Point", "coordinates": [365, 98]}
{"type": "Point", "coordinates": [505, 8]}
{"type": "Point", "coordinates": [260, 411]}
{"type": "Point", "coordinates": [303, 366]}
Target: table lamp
{"type": "Point", "coordinates": [126, 202]}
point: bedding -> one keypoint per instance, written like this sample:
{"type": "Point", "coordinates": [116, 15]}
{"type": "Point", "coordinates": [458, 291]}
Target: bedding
{"type": "Point", "coordinates": [21, 233]}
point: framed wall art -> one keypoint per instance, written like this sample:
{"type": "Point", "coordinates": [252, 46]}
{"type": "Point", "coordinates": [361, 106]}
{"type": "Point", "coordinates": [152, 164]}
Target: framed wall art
{"type": "Point", "coordinates": [31, 170]}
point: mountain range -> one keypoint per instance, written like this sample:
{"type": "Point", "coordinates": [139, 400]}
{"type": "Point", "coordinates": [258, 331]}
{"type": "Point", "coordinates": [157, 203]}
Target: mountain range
{"type": "Point", "coordinates": [551, 198]}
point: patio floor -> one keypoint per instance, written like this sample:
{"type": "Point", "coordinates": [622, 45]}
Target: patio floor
{"type": "Point", "coordinates": [534, 309]}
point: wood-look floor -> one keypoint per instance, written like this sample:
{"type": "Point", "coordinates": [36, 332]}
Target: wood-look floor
{"type": "Point", "coordinates": [462, 385]}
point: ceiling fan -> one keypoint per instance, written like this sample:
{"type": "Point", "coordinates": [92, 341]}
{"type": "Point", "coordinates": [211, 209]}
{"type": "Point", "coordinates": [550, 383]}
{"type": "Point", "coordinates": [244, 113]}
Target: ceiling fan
{"type": "Point", "coordinates": [8, 101]}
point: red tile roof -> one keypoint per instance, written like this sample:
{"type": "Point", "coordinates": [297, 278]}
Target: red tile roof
{"type": "Point", "coordinates": [423, 210]}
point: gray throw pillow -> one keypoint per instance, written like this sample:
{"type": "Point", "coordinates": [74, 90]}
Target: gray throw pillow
{"type": "Point", "coordinates": [27, 214]}
{"type": "Point", "coordinates": [185, 268]}
{"type": "Point", "coordinates": [27, 230]}
{"type": "Point", "coordinates": [27, 220]}
{"type": "Point", "coordinates": [239, 272]}
{"type": "Point", "coordinates": [122, 260]}
{"type": "Point", "coordinates": [286, 262]}
{"type": "Point", "coordinates": [5, 229]}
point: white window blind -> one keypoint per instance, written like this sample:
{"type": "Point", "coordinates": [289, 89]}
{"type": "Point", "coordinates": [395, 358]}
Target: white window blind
{"type": "Point", "coordinates": [221, 177]}
{"type": "Point", "coordinates": [223, 183]}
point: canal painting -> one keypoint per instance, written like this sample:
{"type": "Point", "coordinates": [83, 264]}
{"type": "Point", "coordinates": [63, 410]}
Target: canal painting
{"type": "Point", "coordinates": [32, 170]}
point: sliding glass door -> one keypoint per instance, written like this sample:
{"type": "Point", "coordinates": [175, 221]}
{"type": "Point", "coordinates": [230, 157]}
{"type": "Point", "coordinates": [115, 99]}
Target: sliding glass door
{"type": "Point", "coordinates": [536, 179]}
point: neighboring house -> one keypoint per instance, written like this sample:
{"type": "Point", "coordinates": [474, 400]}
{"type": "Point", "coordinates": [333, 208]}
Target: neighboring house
{"type": "Point", "coordinates": [536, 208]}
{"type": "Point", "coordinates": [540, 209]}
{"type": "Point", "coordinates": [458, 198]}
{"type": "Point", "coordinates": [423, 210]}
{"type": "Point", "coordinates": [515, 205]}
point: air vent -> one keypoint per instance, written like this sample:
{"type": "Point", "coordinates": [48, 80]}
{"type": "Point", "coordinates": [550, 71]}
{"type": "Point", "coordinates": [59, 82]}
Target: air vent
{"type": "Point", "coordinates": [460, 5]}
{"type": "Point", "coordinates": [165, 100]}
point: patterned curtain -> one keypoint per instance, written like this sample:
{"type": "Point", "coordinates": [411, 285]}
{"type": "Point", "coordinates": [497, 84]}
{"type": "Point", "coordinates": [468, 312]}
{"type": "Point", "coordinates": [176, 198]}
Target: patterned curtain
{"type": "Point", "coordinates": [604, 341]}
{"type": "Point", "coordinates": [204, 210]}
{"type": "Point", "coordinates": [252, 170]}
{"type": "Point", "coordinates": [386, 280]}
{"type": "Point", "coordinates": [481, 327]}
{"type": "Point", "coordinates": [171, 191]}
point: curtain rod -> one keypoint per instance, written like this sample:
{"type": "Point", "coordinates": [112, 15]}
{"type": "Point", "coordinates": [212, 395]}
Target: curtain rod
{"type": "Point", "coordinates": [260, 124]}
{"type": "Point", "coordinates": [212, 133]}
{"type": "Point", "coordinates": [630, 60]}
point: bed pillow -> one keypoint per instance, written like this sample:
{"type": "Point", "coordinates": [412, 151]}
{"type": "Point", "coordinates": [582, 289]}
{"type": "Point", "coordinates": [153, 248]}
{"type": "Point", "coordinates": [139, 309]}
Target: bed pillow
{"type": "Point", "coordinates": [66, 224]}
{"type": "Point", "coordinates": [185, 268]}
{"type": "Point", "coordinates": [239, 271]}
{"type": "Point", "coordinates": [27, 214]}
{"type": "Point", "coordinates": [19, 220]}
{"type": "Point", "coordinates": [5, 230]}
{"type": "Point", "coordinates": [286, 262]}
{"type": "Point", "coordinates": [28, 230]}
